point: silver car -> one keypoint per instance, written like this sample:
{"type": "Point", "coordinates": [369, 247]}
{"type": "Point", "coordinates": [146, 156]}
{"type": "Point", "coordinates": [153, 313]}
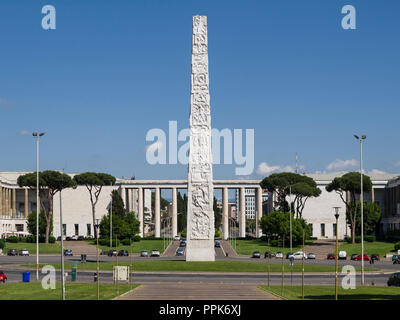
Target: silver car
{"type": "Point", "coordinates": [144, 253]}
{"type": "Point", "coordinates": [311, 256]}
{"type": "Point", "coordinates": [279, 255]}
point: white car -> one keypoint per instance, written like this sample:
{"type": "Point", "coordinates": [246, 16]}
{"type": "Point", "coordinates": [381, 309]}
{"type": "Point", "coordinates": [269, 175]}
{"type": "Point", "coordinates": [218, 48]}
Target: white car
{"type": "Point", "coordinates": [342, 255]}
{"type": "Point", "coordinates": [75, 237]}
{"type": "Point", "coordinates": [279, 255]}
{"type": "Point", "coordinates": [299, 256]}
{"type": "Point", "coordinates": [23, 252]}
{"type": "Point", "coordinates": [155, 253]}
{"type": "Point", "coordinates": [177, 238]}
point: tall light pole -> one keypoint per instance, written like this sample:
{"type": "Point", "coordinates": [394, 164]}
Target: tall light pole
{"type": "Point", "coordinates": [97, 265]}
{"type": "Point", "coordinates": [62, 252]}
{"type": "Point", "coordinates": [37, 135]}
{"type": "Point", "coordinates": [363, 137]}
{"type": "Point", "coordinates": [111, 224]}
{"type": "Point", "coordinates": [337, 248]}
{"type": "Point", "coordinates": [290, 210]}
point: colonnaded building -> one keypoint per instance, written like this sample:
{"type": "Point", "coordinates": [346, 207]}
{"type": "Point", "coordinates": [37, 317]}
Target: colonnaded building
{"type": "Point", "coordinates": [16, 203]}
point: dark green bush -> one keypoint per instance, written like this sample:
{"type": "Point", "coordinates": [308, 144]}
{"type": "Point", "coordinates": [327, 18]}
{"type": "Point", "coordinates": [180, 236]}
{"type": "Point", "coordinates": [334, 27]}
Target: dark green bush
{"type": "Point", "coordinates": [370, 238]}
{"type": "Point", "coordinates": [126, 242]}
{"type": "Point", "coordinates": [1, 243]}
{"type": "Point", "coordinates": [136, 238]}
{"type": "Point", "coordinates": [12, 239]}
{"type": "Point", "coordinates": [52, 239]}
{"type": "Point", "coordinates": [397, 246]}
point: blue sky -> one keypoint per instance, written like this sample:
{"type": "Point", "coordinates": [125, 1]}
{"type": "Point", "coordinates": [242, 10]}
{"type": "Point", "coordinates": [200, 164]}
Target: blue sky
{"type": "Point", "coordinates": [111, 71]}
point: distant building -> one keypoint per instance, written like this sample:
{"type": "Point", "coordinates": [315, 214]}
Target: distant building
{"type": "Point", "coordinates": [250, 202]}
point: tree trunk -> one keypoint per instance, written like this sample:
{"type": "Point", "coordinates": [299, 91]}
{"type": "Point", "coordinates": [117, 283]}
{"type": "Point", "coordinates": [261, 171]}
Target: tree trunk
{"type": "Point", "coordinates": [49, 217]}
{"type": "Point", "coordinates": [94, 220]}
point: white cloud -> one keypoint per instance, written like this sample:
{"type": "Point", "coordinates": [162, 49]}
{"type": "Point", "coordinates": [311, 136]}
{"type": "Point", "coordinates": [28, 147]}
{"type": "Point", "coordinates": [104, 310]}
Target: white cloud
{"type": "Point", "coordinates": [265, 169]}
{"type": "Point", "coordinates": [24, 132]}
{"type": "Point", "coordinates": [340, 165]}
{"type": "Point", "coordinates": [377, 171]}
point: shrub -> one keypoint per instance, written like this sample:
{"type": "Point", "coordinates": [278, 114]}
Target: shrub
{"type": "Point", "coordinates": [12, 239]}
{"type": "Point", "coordinates": [52, 239]}
{"type": "Point", "coordinates": [274, 243]}
{"type": "Point", "coordinates": [370, 238]}
{"type": "Point", "coordinates": [392, 236]}
{"type": "Point", "coordinates": [126, 242]}
{"type": "Point", "coordinates": [1, 243]}
{"type": "Point", "coordinates": [397, 246]}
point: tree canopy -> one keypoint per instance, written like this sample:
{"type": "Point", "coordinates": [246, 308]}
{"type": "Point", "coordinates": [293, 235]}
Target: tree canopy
{"type": "Point", "coordinates": [350, 183]}
{"type": "Point", "coordinates": [50, 182]}
{"type": "Point", "coordinates": [277, 224]}
{"type": "Point", "coordinates": [300, 186]}
{"type": "Point", "coordinates": [94, 183]}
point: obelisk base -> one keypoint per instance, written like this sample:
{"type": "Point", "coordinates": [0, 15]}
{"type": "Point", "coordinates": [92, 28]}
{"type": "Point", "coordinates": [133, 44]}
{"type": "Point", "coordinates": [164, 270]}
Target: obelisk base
{"type": "Point", "coordinates": [200, 250]}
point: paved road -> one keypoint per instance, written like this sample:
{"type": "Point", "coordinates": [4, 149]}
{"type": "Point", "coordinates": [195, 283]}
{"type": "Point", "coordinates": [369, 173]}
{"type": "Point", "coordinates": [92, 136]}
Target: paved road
{"type": "Point", "coordinates": [6, 260]}
{"type": "Point", "coordinates": [195, 277]}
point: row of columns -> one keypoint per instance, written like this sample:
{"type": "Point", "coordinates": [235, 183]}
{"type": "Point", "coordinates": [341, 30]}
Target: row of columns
{"type": "Point", "coordinates": [225, 217]}
{"type": "Point", "coordinates": [8, 202]}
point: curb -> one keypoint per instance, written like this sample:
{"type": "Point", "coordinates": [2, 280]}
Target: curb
{"type": "Point", "coordinates": [124, 294]}
{"type": "Point", "coordinates": [273, 293]}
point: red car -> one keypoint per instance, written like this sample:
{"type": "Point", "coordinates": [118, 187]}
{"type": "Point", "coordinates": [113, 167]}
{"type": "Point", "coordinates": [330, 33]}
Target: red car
{"type": "Point", "coordinates": [3, 276]}
{"type": "Point", "coordinates": [358, 258]}
{"type": "Point", "coordinates": [331, 256]}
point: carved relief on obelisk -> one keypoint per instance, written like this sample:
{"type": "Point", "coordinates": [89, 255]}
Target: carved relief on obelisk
{"type": "Point", "coordinates": [200, 215]}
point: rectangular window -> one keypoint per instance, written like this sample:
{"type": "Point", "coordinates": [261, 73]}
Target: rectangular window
{"type": "Point", "coordinates": [89, 228]}
{"type": "Point", "coordinates": [76, 229]}
{"type": "Point", "coordinates": [65, 228]}
{"type": "Point", "coordinates": [19, 227]}
{"type": "Point", "coordinates": [311, 227]}
{"type": "Point", "coordinates": [334, 229]}
{"type": "Point", "coordinates": [322, 229]}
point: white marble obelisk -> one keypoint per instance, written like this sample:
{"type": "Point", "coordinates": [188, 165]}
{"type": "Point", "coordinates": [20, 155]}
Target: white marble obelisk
{"type": "Point", "coordinates": [200, 215]}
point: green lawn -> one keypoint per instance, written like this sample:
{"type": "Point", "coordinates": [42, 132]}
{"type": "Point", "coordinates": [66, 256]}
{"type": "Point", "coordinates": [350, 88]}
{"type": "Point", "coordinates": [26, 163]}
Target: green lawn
{"type": "Point", "coordinates": [378, 247]}
{"type": "Point", "coordinates": [247, 247]}
{"type": "Point", "coordinates": [44, 248]}
{"type": "Point", "coordinates": [328, 293]}
{"type": "Point", "coordinates": [73, 291]}
{"type": "Point", "coordinates": [216, 266]}
{"type": "Point", "coordinates": [137, 246]}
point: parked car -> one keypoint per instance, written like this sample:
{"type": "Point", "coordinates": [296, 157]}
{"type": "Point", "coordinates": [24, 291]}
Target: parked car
{"type": "Point", "coordinates": [75, 237]}
{"type": "Point", "coordinates": [3, 276]}
{"type": "Point", "coordinates": [396, 259]}
{"type": "Point", "coordinates": [80, 238]}
{"type": "Point", "coordinates": [177, 238]}
{"type": "Point", "coordinates": [112, 253]}
{"type": "Point", "coordinates": [353, 256]}
{"type": "Point", "coordinates": [311, 256]}
{"type": "Point", "coordinates": [144, 253]}
{"type": "Point", "coordinates": [279, 255]}
{"type": "Point", "coordinates": [331, 256]}
{"type": "Point", "coordinates": [182, 243]}
{"type": "Point", "coordinates": [23, 252]}
{"type": "Point", "coordinates": [358, 258]}
{"type": "Point", "coordinates": [375, 257]}
{"type": "Point", "coordinates": [394, 280]}
{"type": "Point", "coordinates": [269, 254]}
{"type": "Point", "coordinates": [289, 254]}
{"type": "Point", "coordinates": [68, 252]}
{"type": "Point", "coordinates": [155, 253]}
{"type": "Point", "coordinates": [217, 244]}
{"type": "Point", "coordinates": [342, 255]}
{"type": "Point", "coordinates": [256, 254]}
{"type": "Point", "coordinates": [12, 252]}
{"type": "Point", "coordinates": [123, 253]}
{"type": "Point", "coordinates": [68, 239]}
{"type": "Point", "coordinates": [299, 255]}
{"type": "Point", "coordinates": [180, 252]}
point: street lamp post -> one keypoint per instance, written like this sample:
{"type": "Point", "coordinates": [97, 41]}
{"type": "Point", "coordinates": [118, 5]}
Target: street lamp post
{"type": "Point", "coordinates": [98, 267]}
{"type": "Point", "coordinates": [111, 225]}
{"type": "Point", "coordinates": [62, 252]}
{"type": "Point", "coordinates": [337, 248]}
{"type": "Point", "coordinates": [37, 135]}
{"type": "Point", "coordinates": [290, 210]}
{"type": "Point", "coordinates": [363, 137]}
